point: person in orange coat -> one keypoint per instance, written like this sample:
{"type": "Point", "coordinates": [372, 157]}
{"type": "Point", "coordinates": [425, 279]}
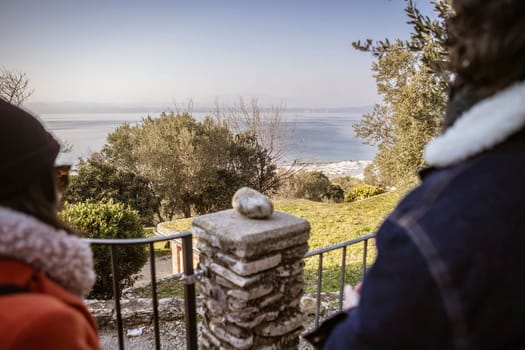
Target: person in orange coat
{"type": "Point", "coordinates": [44, 267]}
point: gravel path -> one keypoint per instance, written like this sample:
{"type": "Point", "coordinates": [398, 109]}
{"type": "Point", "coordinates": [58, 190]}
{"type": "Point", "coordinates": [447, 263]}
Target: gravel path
{"type": "Point", "coordinates": [172, 336]}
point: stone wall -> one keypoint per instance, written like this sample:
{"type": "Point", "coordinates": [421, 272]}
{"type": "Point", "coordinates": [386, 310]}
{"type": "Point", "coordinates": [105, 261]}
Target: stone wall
{"type": "Point", "coordinates": [253, 285]}
{"type": "Point", "coordinates": [135, 311]}
{"type": "Point", "coordinates": [139, 311]}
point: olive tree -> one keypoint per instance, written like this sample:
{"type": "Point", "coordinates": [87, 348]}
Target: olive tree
{"type": "Point", "coordinates": [98, 179]}
{"type": "Point", "coordinates": [194, 166]}
{"type": "Point", "coordinates": [412, 79]}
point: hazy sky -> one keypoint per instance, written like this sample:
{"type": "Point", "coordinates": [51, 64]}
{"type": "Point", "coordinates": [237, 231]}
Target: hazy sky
{"type": "Point", "coordinates": [155, 52]}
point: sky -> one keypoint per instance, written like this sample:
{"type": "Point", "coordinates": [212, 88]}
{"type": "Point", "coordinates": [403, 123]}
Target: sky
{"type": "Point", "coordinates": [296, 52]}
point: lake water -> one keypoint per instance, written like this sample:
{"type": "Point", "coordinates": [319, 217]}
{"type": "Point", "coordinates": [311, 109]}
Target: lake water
{"type": "Point", "coordinates": [321, 137]}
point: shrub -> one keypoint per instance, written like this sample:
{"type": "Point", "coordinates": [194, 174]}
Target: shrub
{"type": "Point", "coordinates": [99, 180]}
{"type": "Point", "coordinates": [312, 185]}
{"type": "Point", "coordinates": [363, 191]}
{"type": "Point", "coordinates": [109, 220]}
{"type": "Point", "coordinates": [334, 194]}
{"type": "Point", "coordinates": [346, 182]}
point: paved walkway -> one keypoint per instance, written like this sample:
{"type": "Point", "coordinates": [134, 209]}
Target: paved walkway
{"type": "Point", "coordinates": [163, 268]}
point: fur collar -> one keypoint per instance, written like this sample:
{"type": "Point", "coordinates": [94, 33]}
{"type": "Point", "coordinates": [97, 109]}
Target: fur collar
{"type": "Point", "coordinates": [65, 259]}
{"type": "Point", "coordinates": [482, 127]}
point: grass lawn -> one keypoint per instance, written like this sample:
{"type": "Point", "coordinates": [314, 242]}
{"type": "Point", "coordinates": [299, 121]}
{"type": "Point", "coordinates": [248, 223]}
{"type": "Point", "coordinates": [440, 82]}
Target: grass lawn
{"type": "Point", "coordinates": [165, 289]}
{"type": "Point", "coordinates": [161, 248]}
{"type": "Point", "coordinates": [334, 223]}
{"type": "Point", "coordinates": [331, 223]}
{"type": "Point", "coordinates": [179, 225]}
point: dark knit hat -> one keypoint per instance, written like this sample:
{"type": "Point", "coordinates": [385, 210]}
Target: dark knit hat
{"type": "Point", "coordinates": [25, 149]}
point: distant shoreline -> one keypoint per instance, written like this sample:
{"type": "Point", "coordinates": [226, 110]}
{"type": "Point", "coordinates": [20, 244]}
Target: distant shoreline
{"type": "Point", "coordinates": [327, 138]}
{"type": "Point", "coordinates": [353, 168]}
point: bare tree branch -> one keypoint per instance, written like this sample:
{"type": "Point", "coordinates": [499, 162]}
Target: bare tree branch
{"type": "Point", "coordinates": [14, 86]}
{"type": "Point", "coordinates": [65, 146]}
{"type": "Point", "coordinates": [273, 132]}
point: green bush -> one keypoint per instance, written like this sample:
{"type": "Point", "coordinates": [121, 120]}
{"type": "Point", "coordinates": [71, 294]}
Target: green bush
{"type": "Point", "coordinates": [98, 179]}
{"type": "Point", "coordinates": [363, 191]}
{"type": "Point", "coordinates": [312, 185]}
{"type": "Point", "coordinates": [346, 182]}
{"type": "Point", "coordinates": [109, 220]}
{"type": "Point", "coordinates": [334, 194]}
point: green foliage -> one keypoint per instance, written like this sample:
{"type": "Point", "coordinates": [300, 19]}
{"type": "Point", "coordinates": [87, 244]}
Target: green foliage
{"type": "Point", "coordinates": [165, 289]}
{"type": "Point", "coordinates": [412, 79]}
{"type": "Point", "coordinates": [334, 194]}
{"type": "Point", "coordinates": [194, 167]}
{"type": "Point", "coordinates": [371, 175]}
{"type": "Point", "coordinates": [109, 220]}
{"type": "Point", "coordinates": [428, 38]}
{"type": "Point", "coordinates": [179, 225]}
{"type": "Point", "coordinates": [98, 179]}
{"type": "Point", "coordinates": [363, 191]}
{"type": "Point", "coordinates": [346, 182]}
{"type": "Point", "coordinates": [312, 185]}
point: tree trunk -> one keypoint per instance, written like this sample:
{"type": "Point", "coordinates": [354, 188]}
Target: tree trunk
{"type": "Point", "coordinates": [187, 210]}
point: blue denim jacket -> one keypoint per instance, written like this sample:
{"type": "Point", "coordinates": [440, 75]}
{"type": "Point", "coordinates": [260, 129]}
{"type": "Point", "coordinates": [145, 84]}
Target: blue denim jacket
{"type": "Point", "coordinates": [450, 269]}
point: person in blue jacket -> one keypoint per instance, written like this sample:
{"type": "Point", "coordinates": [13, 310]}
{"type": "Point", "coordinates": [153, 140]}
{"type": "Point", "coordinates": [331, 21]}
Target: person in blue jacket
{"type": "Point", "coordinates": [450, 269]}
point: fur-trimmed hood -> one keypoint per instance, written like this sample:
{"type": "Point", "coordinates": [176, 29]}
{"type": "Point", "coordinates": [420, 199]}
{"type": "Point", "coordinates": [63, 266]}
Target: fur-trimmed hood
{"type": "Point", "coordinates": [64, 258]}
{"type": "Point", "coordinates": [482, 127]}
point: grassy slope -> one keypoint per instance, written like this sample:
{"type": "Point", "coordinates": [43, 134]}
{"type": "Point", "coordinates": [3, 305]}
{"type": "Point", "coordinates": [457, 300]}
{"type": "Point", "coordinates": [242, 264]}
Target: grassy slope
{"type": "Point", "coordinates": [330, 224]}
{"type": "Point", "coordinates": [333, 223]}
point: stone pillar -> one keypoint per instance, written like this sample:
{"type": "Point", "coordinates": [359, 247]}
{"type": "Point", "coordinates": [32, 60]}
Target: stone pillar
{"type": "Point", "coordinates": [254, 281]}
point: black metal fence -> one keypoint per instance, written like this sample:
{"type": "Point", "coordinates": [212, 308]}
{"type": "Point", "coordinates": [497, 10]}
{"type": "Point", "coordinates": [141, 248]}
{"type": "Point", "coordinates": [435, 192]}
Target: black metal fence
{"type": "Point", "coordinates": [343, 247]}
{"type": "Point", "coordinates": [188, 278]}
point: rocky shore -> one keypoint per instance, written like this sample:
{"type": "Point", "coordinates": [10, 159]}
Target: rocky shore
{"type": "Point", "coordinates": [353, 168]}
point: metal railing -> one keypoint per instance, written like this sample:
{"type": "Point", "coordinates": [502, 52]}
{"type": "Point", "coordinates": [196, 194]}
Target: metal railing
{"type": "Point", "coordinates": [343, 246]}
{"type": "Point", "coordinates": [188, 279]}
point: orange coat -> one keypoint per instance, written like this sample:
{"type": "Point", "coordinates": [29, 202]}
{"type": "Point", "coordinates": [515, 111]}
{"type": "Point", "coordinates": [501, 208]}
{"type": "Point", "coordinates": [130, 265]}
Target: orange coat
{"type": "Point", "coordinates": [47, 318]}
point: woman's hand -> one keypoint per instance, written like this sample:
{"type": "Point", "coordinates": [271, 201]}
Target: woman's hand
{"type": "Point", "coordinates": [352, 296]}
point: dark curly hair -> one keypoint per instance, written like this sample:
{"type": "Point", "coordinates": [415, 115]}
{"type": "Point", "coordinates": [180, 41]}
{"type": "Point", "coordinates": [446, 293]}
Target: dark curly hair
{"type": "Point", "coordinates": [487, 44]}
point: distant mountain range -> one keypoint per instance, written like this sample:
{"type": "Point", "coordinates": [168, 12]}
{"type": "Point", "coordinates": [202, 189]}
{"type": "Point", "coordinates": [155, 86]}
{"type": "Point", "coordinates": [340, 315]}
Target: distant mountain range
{"type": "Point", "coordinates": [87, 107]}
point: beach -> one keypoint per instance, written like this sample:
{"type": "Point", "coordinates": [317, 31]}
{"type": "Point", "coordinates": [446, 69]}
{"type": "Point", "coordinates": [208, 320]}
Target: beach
{"type": "Point", "coordinates": [353, 168]}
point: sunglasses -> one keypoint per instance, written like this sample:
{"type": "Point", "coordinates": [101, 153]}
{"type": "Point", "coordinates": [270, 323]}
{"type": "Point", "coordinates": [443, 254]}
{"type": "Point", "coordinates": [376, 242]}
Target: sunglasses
{"type": "Point", "coordinates": [62, 170]}
{"type": "Point", "coordinates": [62, 177]}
